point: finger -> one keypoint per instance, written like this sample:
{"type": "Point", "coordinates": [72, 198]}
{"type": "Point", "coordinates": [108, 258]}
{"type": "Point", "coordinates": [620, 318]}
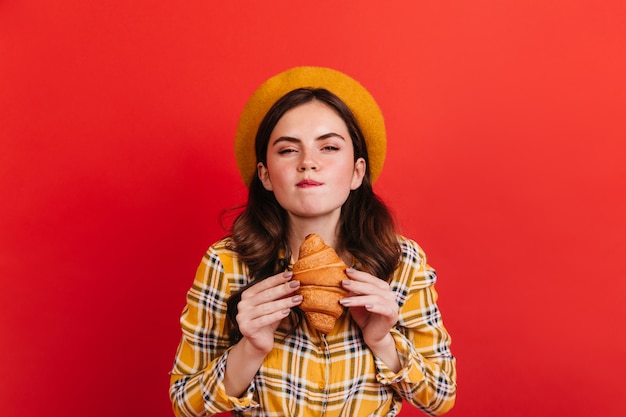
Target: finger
{"type": "Point", "coordinates": [271, 300]}
{"type": "Point", "coordinates": [365, 288]}
{"type": "Point", "coordinates": [251, 326]}
{"type": "Point", "coordinates": [267, 313]}
{"type": "Point", "coordinates": [363, 276]}
{"type": "Point", "coordinates": [271, 288]}
{"type": "Point", "coordinates": [267, 309]}
{"type": "Point", "coordinates": [372, 304]}
{"type": "Point", "coordinates": [269, 282]}
{"type": "Point", "coordinates": [279, 292]}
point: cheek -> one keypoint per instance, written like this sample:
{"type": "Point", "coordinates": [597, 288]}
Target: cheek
{"type": "Point", "coordinates": [277, 174]}
{"type": "Point", "coordinates": [347, 170]}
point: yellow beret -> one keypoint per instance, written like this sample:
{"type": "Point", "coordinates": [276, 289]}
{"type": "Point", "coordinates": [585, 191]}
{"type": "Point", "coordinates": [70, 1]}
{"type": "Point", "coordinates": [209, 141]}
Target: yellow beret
{"type": "Point", "coordinates": [351, 92]}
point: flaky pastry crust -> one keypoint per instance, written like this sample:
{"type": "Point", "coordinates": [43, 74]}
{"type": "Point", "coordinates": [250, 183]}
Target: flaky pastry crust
{"type": "Point", "coordinates": [320, 272]}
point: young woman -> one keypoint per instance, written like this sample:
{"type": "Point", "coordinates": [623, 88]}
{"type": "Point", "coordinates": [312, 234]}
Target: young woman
{"type": "Point", "coordinates": [246, 347]}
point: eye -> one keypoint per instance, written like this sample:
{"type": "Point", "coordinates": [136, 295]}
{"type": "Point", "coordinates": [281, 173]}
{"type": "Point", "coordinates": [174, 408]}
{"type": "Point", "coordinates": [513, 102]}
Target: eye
{"type": "Point", "coordinates": [330, 148]}
{"type": "Point", "coordinates": [286, 151]}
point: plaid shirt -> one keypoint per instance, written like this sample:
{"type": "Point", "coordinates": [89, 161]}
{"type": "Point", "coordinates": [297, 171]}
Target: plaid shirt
{"type": "Point", "coordinates": [308, 373]}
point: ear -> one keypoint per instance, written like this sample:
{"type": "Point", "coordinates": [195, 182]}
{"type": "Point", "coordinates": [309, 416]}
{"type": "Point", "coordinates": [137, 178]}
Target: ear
{"type": "Point", "coordinates": [359, 173]}
{"type": "Point", "coordinates": [264, 176]}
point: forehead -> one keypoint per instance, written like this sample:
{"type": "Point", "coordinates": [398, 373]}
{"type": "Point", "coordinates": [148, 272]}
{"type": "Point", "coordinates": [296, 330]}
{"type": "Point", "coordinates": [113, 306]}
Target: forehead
{"type": "Point", "coordinates": [312, 115]}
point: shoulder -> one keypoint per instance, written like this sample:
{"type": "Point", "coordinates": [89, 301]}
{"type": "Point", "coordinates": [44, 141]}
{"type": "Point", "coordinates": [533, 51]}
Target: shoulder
{"type": "Point", "coordinates": [413, 269]}
{"type": "Point", "coordinates": [223, 246]}
{"type": "Point", "coordinates": [221, 255]}
{"type": "Point", "coordinates": [222, 263]}
{"type": "Point", "coordinates": [410, 251]}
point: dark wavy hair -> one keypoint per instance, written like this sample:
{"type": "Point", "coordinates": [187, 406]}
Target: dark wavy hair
{"type": "Point", "coordinates": [259, 233]}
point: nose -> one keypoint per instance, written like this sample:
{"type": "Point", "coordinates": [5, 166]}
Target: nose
{"type": "Point", "coordinates": [307, 162]}
{"type": "Point", "coordinates": [306, 165]}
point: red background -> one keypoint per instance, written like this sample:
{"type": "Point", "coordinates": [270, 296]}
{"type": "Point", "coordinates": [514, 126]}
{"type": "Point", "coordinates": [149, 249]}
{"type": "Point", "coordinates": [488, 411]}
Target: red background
{"type": "Point", "coordinates": [506, 162]}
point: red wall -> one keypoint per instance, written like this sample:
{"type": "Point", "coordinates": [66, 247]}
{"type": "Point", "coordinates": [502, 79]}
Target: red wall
{"type": "Point", "coordinates": [506, 162]}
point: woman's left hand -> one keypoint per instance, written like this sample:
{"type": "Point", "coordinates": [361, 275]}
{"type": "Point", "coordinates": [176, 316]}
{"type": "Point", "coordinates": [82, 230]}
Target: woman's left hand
{"type": "Point", "coordinates": [372, 305]}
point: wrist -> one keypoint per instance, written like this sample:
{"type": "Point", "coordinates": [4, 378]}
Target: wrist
{"type": "Point", "coordinates": [385, 350]}
{"type": "Point", "coordinates": [386, 343]}
{"type": "Point", "coordinates": [253, 351]}
{"type": "Point", "coordinates": [243, 362]}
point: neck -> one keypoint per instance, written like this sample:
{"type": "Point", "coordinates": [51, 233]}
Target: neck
{"type": "Point", "coordinates": [299, 228]}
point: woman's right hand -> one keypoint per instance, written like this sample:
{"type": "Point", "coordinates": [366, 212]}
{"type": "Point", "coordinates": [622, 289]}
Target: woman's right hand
{"type": "Point", "coordinates": [263, 306]}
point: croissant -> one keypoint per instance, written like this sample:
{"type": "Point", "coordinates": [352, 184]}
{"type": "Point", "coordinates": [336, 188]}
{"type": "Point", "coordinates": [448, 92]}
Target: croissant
{"type": "Point", "coordinates": [320, 272]}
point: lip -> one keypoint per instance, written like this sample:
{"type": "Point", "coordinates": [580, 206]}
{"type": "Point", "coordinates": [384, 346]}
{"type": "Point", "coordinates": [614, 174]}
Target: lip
{"type": "Point", "coordinates": [306, 183]}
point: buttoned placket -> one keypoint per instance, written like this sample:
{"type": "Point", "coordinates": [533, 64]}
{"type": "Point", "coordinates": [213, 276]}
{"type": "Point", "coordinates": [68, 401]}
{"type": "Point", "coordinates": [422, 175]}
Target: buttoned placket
{"type": "Point", "coordinates": [326, 377]}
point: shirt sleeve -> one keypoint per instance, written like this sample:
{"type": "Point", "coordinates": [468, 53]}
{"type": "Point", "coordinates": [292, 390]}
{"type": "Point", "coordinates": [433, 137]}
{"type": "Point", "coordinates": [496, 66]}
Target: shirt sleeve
{"type": "Point", "coordinates": [196, 380]}
{"type": "Point", "coordinates": [427, 378]}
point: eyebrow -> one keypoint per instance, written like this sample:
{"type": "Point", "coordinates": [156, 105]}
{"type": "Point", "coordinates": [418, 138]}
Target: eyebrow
{"type": "Point", "coordinates": [296, 140]}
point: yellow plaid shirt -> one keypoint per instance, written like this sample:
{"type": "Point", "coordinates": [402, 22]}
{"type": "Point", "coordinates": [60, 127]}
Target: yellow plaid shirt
{"type": "Point", "coordinates": [308, 373]}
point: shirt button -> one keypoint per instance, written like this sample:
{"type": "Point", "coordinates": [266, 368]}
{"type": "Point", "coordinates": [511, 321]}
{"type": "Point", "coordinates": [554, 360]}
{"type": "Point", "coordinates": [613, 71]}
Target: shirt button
{"type": "Point", "coordinates": [322, 385]}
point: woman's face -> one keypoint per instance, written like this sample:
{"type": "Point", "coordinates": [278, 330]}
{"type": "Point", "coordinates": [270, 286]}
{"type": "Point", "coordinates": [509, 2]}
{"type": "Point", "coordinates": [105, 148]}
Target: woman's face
{"type": "Point", "coordinates": [310, 162]}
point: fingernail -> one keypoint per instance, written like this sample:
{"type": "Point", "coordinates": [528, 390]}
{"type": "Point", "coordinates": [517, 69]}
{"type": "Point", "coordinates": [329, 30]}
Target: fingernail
{"type": "Point", "coordinates": [344, 301]}
{"type": "Point", "coordinates": [294, 284]}
{"type": "Point", "coordinates": [346, 282]}
{"type": "Point", "coordinates": [296, 299]}
{"type": "Point", "coordinates": [287, 274]}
